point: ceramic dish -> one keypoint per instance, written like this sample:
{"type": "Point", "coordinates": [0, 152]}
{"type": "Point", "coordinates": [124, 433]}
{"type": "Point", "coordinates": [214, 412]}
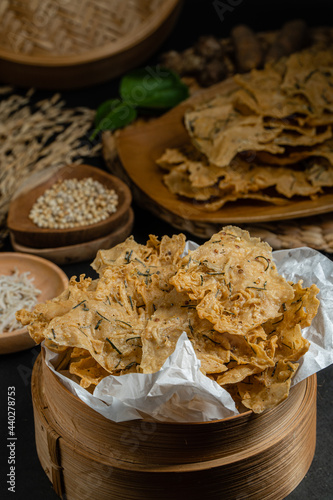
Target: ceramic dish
{"type": "Point", "coordinates": [47, 277]}
{"type": "Point", "coordinates": [29, 234]}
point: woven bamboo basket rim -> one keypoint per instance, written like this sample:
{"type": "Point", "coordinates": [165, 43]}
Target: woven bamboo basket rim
{"type": "Point", "coordinates": [124, 43]}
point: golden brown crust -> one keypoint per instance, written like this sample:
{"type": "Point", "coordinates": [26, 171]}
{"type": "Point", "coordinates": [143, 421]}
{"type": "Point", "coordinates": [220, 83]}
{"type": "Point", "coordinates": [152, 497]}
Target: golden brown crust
{"type": "Point", "coordinates": [243, 319]}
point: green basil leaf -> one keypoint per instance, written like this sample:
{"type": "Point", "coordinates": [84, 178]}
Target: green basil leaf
{"type": "Point", "coordinates": [153, 87]}
{"type": "Point", "coordinates": [167, 98]}
{"type": "Point", "coordinates": [104, 109]}
{"type": "Point", "coordinates": [112, 115]}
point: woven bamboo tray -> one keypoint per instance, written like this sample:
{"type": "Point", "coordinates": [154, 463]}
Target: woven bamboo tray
{"type": "Point", "coordinates": [70, 44]}
{"type": "Point", "coordinates": [243, 457]}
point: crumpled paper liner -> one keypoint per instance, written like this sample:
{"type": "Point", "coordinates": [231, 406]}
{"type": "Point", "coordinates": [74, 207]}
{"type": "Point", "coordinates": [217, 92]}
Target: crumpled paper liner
{"type": "Point", "coordinates": [312, 267]}
{"type": "Point", "coordinates": [179, 392]}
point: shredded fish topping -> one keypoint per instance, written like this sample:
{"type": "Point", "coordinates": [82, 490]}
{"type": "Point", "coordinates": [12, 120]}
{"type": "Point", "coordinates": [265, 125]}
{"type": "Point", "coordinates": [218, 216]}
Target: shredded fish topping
{"type": "Point", "coordinates": [16, 291]}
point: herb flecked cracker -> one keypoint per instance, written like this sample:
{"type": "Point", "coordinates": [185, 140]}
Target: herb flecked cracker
{"type": "Point", "coordinates": [242, 317]}
{"type": "Point", "coordinates": [270, 139]}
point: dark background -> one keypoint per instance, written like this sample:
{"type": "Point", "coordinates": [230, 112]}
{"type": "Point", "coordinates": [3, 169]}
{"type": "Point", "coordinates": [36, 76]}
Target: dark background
{"type": "Point", "coordinates": [198, 17]}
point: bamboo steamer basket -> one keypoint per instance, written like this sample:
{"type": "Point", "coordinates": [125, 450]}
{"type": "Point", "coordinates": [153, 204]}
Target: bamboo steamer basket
{"type": "Point", "coordinates": [65, 44]}
{"type": "Point", "coordinates": [253, 457]}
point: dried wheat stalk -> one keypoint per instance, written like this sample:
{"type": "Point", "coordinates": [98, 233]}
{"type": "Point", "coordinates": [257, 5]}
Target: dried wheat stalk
{"type": "Point", "coordinates": [34, 137]}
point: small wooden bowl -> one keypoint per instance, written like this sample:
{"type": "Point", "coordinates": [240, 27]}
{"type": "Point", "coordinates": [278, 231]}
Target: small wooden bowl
{"type": "Point", "coordinates": [48, 278]}
{"type": "Point", "coordinates": [81, 251]}
{"type": "Point", "coordinates": [245, 456]}
{"type": "Point", "coordinates": [29, 234]}
{"type": "Point", "coordinates": [133, 32]}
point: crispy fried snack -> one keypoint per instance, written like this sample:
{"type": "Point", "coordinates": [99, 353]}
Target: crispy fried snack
{"type": "Point", "coordinates": [244, 319]}
{"type": "Point", "coordinates": [86, 368]}
{"type": "Point", "coordinates": [269, 139]}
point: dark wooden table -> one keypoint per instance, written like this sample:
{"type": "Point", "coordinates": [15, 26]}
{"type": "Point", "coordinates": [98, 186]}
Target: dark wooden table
{"type": "Point", "coordinates": [198, 17]}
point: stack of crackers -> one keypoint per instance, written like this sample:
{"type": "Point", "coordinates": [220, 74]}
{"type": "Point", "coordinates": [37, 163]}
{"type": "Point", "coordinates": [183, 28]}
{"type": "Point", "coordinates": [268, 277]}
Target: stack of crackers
{"type": "Point", "coordinates": [270, 138]}
{"type": "Point", "coordinates": [242, 317]}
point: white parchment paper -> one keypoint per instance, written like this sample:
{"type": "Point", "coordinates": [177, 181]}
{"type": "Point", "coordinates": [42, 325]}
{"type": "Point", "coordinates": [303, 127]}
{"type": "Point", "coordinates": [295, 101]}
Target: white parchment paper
{"type": "Point", "coordinates": [179, 392]}
{"type": "Point", "coordinates": [312, 267]}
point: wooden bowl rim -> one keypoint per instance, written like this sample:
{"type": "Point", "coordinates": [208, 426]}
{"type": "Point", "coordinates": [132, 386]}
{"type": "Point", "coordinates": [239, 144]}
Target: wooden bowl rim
{"type": "Point", "coordinates": [75, 246]}
{"type": "Point", "coordinates": [15, 333]}
{"type": "Point", "coordinates": [126, 43]}
{"type": "Point", "coordinates": [14, 223]}
{"type": "Point", "coordinates": [21, 332]}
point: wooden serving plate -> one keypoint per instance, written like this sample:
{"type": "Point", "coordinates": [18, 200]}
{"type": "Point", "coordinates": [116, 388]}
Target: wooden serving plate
{"type": "Point", "coordinates": [149, 141]}
{"type": "Point", "coordinates": [48, 278]}
{"type": "Point", "coordinates": [82, 251]}
{"type": "Point", "coordinates": [246, 456]}
{"type": "Point", "coordinates": [29, 234]}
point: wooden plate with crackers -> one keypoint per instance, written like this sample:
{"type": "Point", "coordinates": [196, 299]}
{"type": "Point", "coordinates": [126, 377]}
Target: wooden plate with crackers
{"type": "Point", "coordinates": [291, 152]}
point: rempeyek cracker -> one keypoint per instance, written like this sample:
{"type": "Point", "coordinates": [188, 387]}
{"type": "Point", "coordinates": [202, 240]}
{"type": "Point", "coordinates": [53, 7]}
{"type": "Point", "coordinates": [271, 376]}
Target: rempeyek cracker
{"type": "Point", "coordinates": [86, 368]}
{"type": "Point", "coordinates": [242, 317]}
{"type": "Point", "coordinates": [261, 140]}
{"type": "Point", "coordinates": [234, 280]}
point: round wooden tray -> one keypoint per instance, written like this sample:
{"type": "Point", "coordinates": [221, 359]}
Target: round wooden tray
{"type": "Point", "coordinates": [106, 40]}
{"type": "Point", "coordinates": [242, 457]}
